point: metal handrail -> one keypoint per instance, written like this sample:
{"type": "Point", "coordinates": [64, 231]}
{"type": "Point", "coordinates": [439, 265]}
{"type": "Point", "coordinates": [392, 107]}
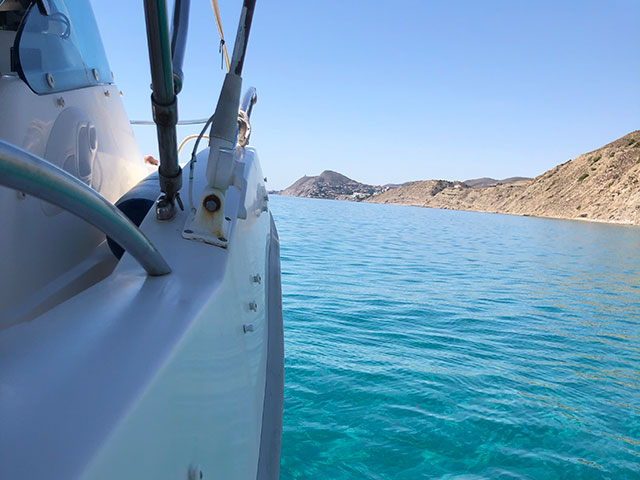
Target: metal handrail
{"type": "Point", "coordinates": [28, 173]}
{"type": "Point", "coordinates": [199, 121]}
{"type": "Point", "coordinates": [248, 101]}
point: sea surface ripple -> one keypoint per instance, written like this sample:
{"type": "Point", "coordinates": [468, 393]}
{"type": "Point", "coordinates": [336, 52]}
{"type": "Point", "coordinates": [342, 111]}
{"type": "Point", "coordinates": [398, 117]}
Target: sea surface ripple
{"type": "Point", "coordinates": [425, 343]}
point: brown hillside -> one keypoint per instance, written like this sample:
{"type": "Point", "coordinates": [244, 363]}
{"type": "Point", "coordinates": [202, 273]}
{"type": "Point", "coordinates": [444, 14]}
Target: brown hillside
{"type": "Point", "coordinates": [600, 185]}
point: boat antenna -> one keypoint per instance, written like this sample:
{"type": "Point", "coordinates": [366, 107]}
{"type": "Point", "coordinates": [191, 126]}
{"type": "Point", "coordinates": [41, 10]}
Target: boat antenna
{"type": "Point", "coordinates": [165, 85]}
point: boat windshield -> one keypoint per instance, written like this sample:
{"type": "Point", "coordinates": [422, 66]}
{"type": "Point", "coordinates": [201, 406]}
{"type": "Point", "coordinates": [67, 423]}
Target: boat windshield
{"type": "Point", "coordinates": [59, 47]}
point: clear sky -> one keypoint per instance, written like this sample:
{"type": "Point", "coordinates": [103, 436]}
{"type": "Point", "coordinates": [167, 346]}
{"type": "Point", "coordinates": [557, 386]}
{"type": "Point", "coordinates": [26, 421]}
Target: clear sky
{"type": "Point", "coordinates": [388, 92]}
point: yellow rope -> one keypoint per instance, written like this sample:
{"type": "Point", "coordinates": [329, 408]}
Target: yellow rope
{"type": "Point", "coordinates": [216, 13]}
{"type": "Point", "coordinates": [190, 137]}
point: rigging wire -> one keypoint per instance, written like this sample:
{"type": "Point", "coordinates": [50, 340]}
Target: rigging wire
{"type": "Point", "coordinates": [198, 121]}
{"type": "Point", "coordinates": [223, 45]}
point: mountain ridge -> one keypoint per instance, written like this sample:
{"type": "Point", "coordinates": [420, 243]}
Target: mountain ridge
{"type": "Point", "coordinates": [601, 185]}
{"type": "Point", "coordinates": [331, 185]}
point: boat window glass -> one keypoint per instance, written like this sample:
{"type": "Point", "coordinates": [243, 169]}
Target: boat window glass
{"type": "Point", "coordinates": [61, 50]}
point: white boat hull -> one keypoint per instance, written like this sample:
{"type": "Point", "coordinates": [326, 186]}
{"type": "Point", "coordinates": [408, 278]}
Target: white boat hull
{"type": "Point", "coordinates": [155, 377]}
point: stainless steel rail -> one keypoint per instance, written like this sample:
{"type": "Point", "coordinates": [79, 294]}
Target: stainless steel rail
{"type": "Point", "coordinates": [244, 116]}
{"type": "Point", "coordinates": [248, 101]}
{"type": "Point", "coordinates": [28, 173]}
{"type": "Point", "coordinates": [199, 121]}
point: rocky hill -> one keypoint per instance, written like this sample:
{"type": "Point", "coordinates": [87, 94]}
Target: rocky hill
{"type": "Point", "coordinates": [332, 185]}
{"type": "Point", "coordinates": [601, 185]}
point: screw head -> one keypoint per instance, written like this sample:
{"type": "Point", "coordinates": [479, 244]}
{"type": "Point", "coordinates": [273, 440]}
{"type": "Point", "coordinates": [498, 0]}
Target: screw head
{"type": "Point", "coordinates": [212, 203]}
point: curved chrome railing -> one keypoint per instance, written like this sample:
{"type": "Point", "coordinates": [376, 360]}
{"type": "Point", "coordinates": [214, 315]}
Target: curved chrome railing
{"type": "Point", "coordinates": [248, 101]}
{"type": "Point", "coordinates": [28, 173]}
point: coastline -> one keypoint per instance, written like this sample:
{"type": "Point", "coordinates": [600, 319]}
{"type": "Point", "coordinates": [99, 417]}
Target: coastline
{"type": "Point", "coordinates": [601, 186]}
{"type": "Point", "coordinates": [408, 204]}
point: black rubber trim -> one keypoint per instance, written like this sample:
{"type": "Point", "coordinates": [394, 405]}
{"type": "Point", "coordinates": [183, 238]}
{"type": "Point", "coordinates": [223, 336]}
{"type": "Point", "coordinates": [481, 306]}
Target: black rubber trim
{"type": "Point", "coordinates": [271, 435]}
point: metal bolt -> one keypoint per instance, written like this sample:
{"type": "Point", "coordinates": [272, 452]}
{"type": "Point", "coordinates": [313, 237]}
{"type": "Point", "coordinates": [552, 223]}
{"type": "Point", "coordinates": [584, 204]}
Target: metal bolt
{"type": "Point", "coordinates": [50, 80]}
{"type": "Point", "coordinates": [95, 74]}
{"type": "Point", "coordinates": [107, 93]}
{"type": "Point", "coordinates": [256, 278]}
{"type": "Point", "coordinates": [253, 306]}
{"type": "Point", "coordinates": [247, 328]}
{"type": "Point", "coordinates": [60, 101]}
{"type": "Point", "coordinates": [212, 203]}
{"type": "Point", "coordinates": [265, 179]}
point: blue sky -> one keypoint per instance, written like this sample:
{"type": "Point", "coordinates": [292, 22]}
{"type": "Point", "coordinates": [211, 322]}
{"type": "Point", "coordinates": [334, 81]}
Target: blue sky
{"type": "Point", "coordinates": [406, 90]}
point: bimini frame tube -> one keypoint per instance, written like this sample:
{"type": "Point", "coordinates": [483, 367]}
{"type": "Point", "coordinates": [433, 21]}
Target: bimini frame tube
{"type": "Point", "coordinates": [165, 105]}
{"type": "Point", "coordinates": [179, 29]}
{"type": "Point", "coordinates": [224, 129]}
{"type": "Point", "coordinates": [28, 173]}
{"type": "Point", "coordinates": [242, 37]}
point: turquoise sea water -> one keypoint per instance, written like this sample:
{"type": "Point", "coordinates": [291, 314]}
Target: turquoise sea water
{"type": "Point", "coordinates": [427, 343]}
